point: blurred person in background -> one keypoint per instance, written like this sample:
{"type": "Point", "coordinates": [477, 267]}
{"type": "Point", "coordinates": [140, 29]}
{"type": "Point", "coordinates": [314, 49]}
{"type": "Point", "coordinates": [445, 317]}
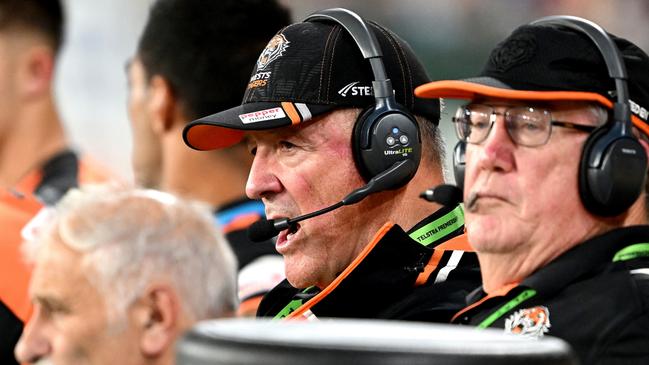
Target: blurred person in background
{"type": "Point", "coordinates": [37, 165]}
{"type": "Point", "coordinates": [193, 59]}
{"type": "Point", "coordinates": [555, 188]}
{"type": "Point", "coordinates": [15, 211]}
{"type": "Point", "coordinates": [304, 114]}
{"type": "Point", "coordinates": [119, 274]}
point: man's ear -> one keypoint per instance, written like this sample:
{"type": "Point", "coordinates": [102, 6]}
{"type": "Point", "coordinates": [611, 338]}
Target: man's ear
{"type": "Point", "coordinates": [158, 317]}
{"type": "Point", "coordinates": [162, 104]}
{"type": "Point", "coordinates": [36, 72]}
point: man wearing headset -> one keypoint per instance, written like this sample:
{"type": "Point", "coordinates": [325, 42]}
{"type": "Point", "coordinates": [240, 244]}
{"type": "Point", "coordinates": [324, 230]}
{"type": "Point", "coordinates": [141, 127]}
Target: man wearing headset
{"type": "Point", "coordinates": [300, 117]}
{"type": "Point", "coordinates": [560, 239]}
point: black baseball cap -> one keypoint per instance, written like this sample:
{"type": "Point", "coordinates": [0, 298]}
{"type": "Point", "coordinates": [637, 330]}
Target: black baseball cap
{"type": "Point", "coordinates": [308, 69]}
{"type": "Point", "coordinates": [549, 63]}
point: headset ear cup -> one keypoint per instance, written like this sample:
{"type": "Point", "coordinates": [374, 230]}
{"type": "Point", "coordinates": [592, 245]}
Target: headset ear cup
{"type": "Point", "coordinates": [357, 149]}
{"type": "Point", "coordinates": [383, 136]}
{"type": "Point", "coordinates": [459, 163]}
{"type": "Point", "coordinates": [609, 188]}
{"type": "Point", "coordinates": [587, 199]}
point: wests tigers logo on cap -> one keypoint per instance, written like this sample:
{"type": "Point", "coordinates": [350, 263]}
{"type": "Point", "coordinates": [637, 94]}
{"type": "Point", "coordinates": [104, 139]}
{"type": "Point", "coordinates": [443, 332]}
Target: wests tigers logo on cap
{"type": "Point", "coordinates": [516, 50]}
{"type": "Point", "coordinates": [274, 49]}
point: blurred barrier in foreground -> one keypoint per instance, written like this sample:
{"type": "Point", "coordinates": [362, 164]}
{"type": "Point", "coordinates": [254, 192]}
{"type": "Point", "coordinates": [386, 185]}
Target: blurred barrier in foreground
{"type": "Point", "coordinates": [360, 342]}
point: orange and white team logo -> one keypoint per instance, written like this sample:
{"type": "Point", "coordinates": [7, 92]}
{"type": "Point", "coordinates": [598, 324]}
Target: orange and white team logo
{"type": "Point", "coordinates": [531, 322]}
{"type": "Point", "coordinates": [274, 49]}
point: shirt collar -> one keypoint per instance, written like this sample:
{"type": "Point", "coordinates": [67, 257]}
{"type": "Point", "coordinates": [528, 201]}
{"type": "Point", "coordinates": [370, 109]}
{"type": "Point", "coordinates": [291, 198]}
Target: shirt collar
{"type": "Point", "coordinates": [577, 262]}
{"type": "Point", "coordinates": [584, 259]}
{"type": "Point", "coordinates": [438, 227]}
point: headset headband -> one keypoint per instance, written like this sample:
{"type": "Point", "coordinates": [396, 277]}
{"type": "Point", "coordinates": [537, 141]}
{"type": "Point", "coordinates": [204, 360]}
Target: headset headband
{"type": "Point", "coordinates": [612, 59]}
{"type": "Point", "coordinates": [367, 44]}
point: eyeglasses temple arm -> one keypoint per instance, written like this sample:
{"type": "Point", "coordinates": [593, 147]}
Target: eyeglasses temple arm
{"type": "Point", "coordinates": [580, 127]}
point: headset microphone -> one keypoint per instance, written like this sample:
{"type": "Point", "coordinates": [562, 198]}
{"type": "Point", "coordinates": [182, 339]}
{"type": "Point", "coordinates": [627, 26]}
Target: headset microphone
{"type": "Point", "coordinates": [265, 229]}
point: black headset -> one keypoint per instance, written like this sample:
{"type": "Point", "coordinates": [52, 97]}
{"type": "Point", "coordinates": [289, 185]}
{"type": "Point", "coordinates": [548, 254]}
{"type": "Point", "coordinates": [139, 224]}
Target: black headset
{"type": "Point", "coordinates": [613, 163]}
{"type": "Point", "coordinates": [385, 133]}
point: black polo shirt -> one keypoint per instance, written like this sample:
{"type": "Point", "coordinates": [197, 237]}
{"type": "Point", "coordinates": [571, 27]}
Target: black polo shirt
{"type": "Point", "coordinates": [595, 296]}
{"type": "Point", "coordinates": [401, 275]}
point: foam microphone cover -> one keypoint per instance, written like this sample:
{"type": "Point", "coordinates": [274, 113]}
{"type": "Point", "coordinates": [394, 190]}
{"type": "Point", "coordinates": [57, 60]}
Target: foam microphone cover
{"type": "Point", "coordinates": [262, 230]}
{"type": "Point", "coordinates": [445, 194]}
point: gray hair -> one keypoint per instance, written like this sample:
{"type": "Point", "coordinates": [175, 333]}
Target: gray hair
{"type": "Point", "coordinates": [600, 114]}
{"type": "Point", "coordinates": [432, 141]}
{"type": "Point", "coordinates": [130, 237]}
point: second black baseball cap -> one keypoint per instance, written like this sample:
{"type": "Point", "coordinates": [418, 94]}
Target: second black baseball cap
{"type": "Point", "coordinates": [553, 63]}
{"type": "Point", "coordinates": [308, 69]}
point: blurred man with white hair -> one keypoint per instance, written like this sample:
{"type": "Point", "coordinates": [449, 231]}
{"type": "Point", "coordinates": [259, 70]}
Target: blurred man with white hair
{"type": "Point", "coordinates": [119, 274]}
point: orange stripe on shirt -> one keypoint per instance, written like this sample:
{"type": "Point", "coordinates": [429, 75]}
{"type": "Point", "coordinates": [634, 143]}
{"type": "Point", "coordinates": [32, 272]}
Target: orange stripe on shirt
{"type": "Point", "coordinates": [459, 243]}
{"type": "Point", "coordinates": [334, 284]}
{"type": "Point", "coordinates": [497, 293]}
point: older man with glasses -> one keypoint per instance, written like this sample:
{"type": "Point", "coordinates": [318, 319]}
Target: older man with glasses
{"type": "Point", "coordinates": [554, 170]}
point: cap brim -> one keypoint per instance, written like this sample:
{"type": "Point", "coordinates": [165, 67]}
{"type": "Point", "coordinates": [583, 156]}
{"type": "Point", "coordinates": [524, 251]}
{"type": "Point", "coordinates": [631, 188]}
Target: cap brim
{"type": "Point", "coordinates": [478, 87]}
{"type": "Point", "coordinates": [227, 128]}
{"type": "Point", "coordinates": [489, 87]}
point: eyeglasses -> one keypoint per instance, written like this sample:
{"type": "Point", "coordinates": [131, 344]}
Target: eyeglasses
{"type": "Point", "coordinates": [526, 126]}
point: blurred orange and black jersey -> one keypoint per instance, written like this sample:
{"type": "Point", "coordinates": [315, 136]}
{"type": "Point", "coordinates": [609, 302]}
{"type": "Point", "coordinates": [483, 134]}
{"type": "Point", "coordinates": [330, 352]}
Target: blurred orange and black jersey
{"type": "Point", "coordinates": [420, 275]}
{"type": "Point", "coordinates": [234, 219]}
{"type": "Point", "coordinates": [595, 297]}
{"type": "Point", "coordinates": [18, 205]}
{"type": "Point", "coordinates": [16, 209]}
{"type": "Point", "coordinates": [262, 274]}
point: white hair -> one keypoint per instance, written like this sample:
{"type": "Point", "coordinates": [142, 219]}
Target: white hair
{"type": "Point", "coordinates": [130, 237]}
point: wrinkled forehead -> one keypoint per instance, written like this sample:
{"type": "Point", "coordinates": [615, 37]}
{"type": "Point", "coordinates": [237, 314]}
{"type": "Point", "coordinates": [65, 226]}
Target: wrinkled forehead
{"type": "Point", "coordinates": [55, 265]}
{"type": "Point", "coordinates": [269, 135]}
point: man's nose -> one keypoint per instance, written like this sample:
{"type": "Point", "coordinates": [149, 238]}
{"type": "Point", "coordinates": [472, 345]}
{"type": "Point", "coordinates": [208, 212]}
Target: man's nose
{"type": "Point", "coordinates": [33, 345]}
{"type": "Point", "coordinates": [496, 152]}
{"type": "Point", "coordinates": [262, 180]}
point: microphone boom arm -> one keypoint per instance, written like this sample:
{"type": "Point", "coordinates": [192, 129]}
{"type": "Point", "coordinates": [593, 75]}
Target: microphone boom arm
{"type": "Point", "coordinates": [391, 178]}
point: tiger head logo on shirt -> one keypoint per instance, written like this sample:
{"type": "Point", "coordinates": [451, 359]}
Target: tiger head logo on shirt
{"type": "Point", "coordinates": [530, 322]}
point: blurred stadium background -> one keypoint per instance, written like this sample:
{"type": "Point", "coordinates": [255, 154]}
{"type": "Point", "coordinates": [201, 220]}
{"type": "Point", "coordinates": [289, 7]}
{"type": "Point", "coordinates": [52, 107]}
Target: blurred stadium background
{"type": "Point", "coordinates": [452, 37]}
